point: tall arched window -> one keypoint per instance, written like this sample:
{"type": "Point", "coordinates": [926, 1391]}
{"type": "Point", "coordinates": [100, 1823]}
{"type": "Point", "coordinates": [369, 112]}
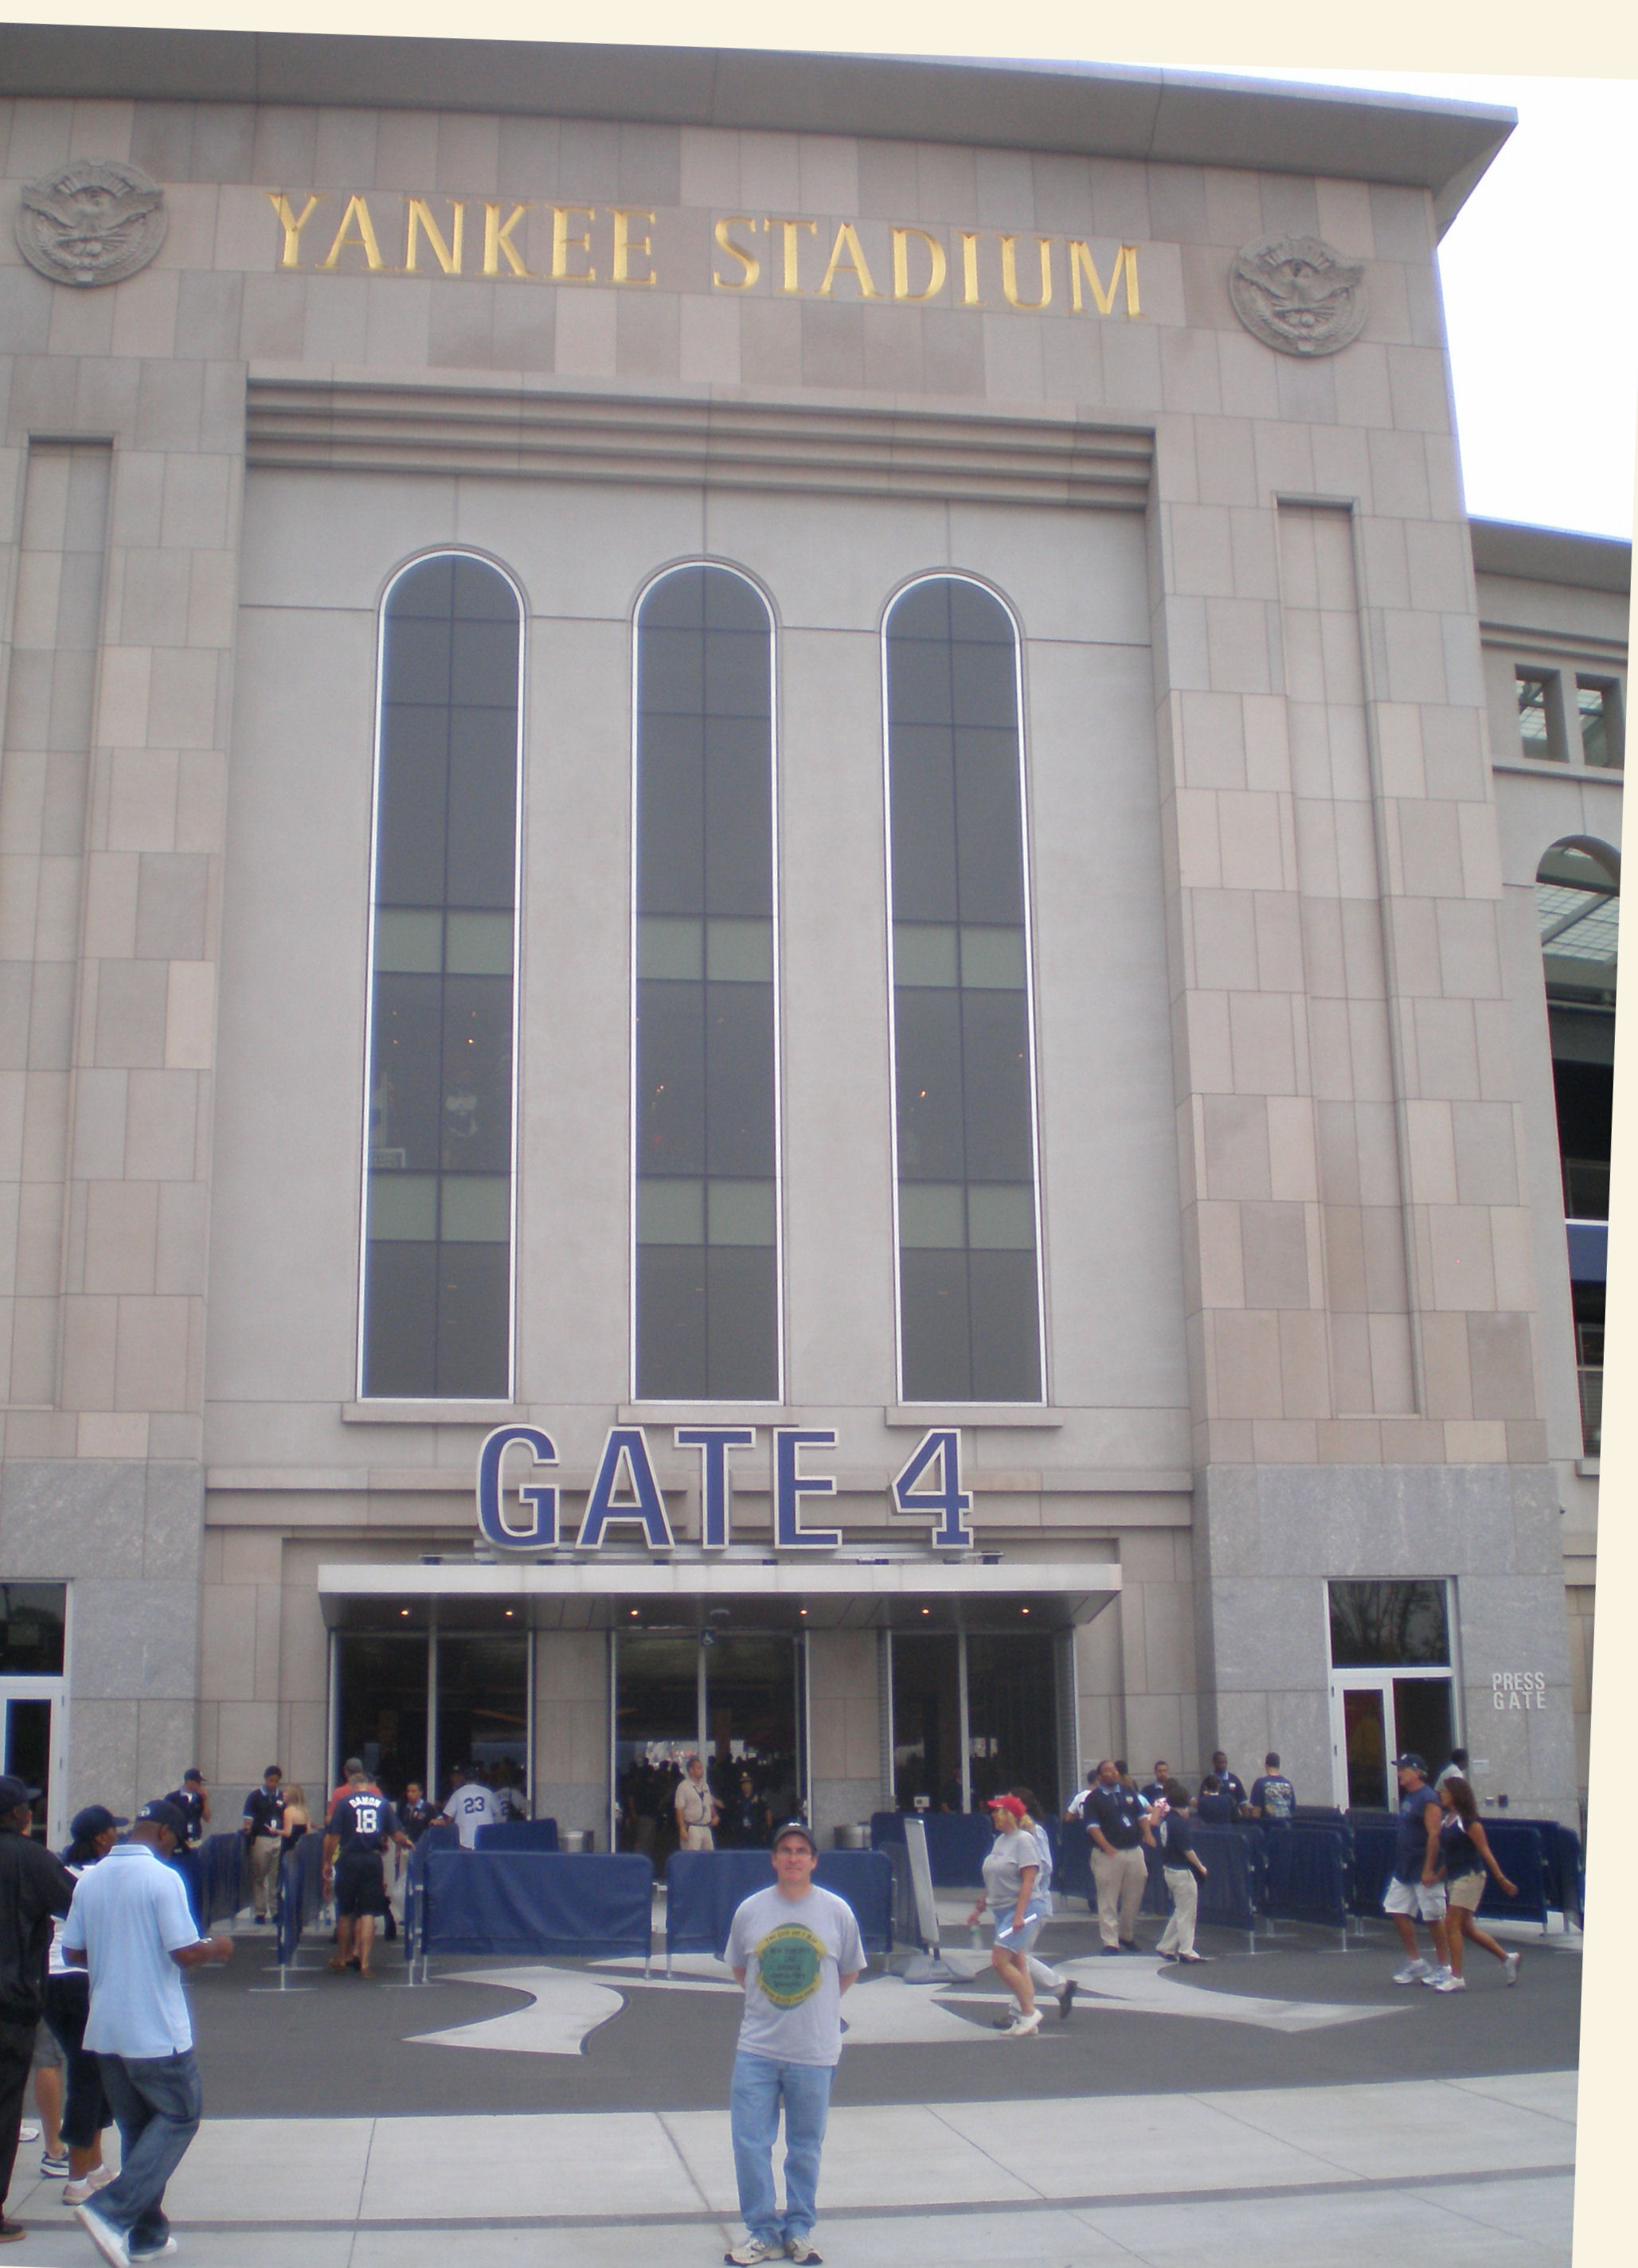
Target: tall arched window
{"type": "Point", "coordinates": [970, 1306]}
{"type": "Point", "coordinates": [706, 1278]}
{"type": "Point", "coordinates": [1578, 906]}
{"type": "Point", "coordinates": [437, 1288]}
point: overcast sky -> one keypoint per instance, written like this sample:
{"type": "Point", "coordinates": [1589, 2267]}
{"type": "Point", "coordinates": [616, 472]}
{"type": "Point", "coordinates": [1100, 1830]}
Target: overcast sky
{"type": "Point", "coordinates": [1538, 291]}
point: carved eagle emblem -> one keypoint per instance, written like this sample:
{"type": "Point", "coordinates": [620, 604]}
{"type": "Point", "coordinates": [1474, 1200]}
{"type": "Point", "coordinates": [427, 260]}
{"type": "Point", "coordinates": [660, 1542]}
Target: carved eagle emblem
{"type": "Point", "coordinates": [1298, 294]}
{"type": "Point", "coordinates": [96, 222]}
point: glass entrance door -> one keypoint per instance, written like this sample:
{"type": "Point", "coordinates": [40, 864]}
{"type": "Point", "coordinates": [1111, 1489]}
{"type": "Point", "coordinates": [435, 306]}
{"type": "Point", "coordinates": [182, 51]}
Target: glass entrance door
{"type": "Point", "coordinates": [1365, 1748]}
{"type": "Point", "coordinates": [31, 1743]}
{"type": "Point", "coordinates": [1376, 1717]}
{"type": "Point", "coordinates": [737, 1702]}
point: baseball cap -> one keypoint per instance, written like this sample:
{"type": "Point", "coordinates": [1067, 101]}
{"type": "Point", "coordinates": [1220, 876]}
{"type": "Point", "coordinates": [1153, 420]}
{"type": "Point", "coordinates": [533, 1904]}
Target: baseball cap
{"type": "Point", "coordinates": [1008, 1803]}
{"type": "Point", "coordinates": [96, 1819]}
{"type": "Point", "coordinates": [192, 1772]}
{"type": "Point", "coordinates": [1411, 1762]}
{"type": "Point", "coordinates": [166, 1814]}
{"type": "Point", "coordinates": [14, 1792]}
{"type": "Point", "coordinates": [797, 1827]}
{"type": "Point", "coordinates": [353, 1764]}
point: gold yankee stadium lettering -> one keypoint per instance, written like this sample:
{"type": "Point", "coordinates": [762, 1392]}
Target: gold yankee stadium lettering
{"type": "Point", "coordinates": [613, 246]}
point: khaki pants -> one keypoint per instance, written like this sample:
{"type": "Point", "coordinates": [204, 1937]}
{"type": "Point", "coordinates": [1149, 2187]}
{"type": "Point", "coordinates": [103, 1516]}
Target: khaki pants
{"type": "Point", "coordinates": [698, 1838]}
{"type": "Point", "coordinates": [265, 1851]}
{"type": "Point", "coordinates": [1121, 1877]}
{"type": "Point", "coordinates": [1178, 1934]}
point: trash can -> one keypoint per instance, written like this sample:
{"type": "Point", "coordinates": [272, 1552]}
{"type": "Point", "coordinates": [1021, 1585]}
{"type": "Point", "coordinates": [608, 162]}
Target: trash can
{"type": "Point", "coordinates": [851, 1838]}
{"type": "Point", "coordinates": [576, 1838]}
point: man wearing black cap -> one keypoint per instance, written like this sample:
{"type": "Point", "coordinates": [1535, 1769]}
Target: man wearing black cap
{"type": "Point", "coordinates": [795, 1948]}
{"type": "Point", "coordinates": [32, 1887]}
{"type": "Point", "coordinates": [131, 1927]}
{"type": "Point", "coordinates": [1417, 1890]}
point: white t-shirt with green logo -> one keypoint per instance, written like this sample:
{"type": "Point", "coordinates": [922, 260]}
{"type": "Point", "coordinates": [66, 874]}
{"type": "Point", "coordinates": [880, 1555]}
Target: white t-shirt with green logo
{"type": "Point", "coordinates": [794, 1951]}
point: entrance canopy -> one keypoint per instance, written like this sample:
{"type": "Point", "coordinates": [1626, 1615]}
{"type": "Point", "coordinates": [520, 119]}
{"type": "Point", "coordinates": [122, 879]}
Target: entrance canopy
{"type": "Point", "coordinates": [869, 1592]}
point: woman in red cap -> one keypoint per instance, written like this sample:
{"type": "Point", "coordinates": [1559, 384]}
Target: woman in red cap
{"type": "Point", "coordinates": [1009, 1876]}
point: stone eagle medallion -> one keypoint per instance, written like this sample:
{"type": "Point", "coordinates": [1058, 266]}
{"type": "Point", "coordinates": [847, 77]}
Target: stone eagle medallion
{"type": "Point", "coordinates": [96, 222]}
{"type": "Point", "coordinates": [1299, 295]}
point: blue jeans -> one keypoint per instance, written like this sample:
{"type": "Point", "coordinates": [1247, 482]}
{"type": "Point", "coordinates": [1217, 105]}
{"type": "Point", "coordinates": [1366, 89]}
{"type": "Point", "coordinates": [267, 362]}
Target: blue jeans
{"type": "Point", "coordinates": [753, 2118]}
{"type": "Point", "coordinates": [156, 2103]}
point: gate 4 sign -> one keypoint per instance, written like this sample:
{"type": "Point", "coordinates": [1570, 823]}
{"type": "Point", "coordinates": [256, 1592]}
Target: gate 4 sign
{"type": "Point", "coordinates": [625, 1492]}
{"type": "Point", "coordinates": [1518, 1689]}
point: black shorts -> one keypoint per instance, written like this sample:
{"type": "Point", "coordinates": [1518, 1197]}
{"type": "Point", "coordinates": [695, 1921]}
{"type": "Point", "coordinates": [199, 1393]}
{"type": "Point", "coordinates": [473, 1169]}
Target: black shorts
{"type": "Point", "coordinates": [360, 1884]}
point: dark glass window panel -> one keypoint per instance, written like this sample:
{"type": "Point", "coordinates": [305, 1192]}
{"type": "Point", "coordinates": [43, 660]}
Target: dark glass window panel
{"type": "Point", "coordinates": [995, 1086]}
{"type": "Point", "coordinates": [671, 1321]}
{"type": "Point", "coordinates": [406, 1085]}
{"type": "Point", "coordinates": [476, 1114]}
{"type": "Point", "coordinates": [739, 1079]}
{"type": "Point", "coordinates": [705, 1067]}
{"type": "Point", "coordinates": [932, 1302]}
{"type": "Point", "coordinates": [381, 1707]}
{"type": "Point", "coordinates": [927, 1722]}
{"type": "Point", "coordinates": [437, 1316]}
{"type": "Point", "coordinates": [1424, 1723]}
{"type": "Point", "coordinates": [28, 1754]}
{"type": "Point", "coordinates": [919, 682]}
{"type": "Point", "coordinates": [738, 819]}
{"type": "Point", "coordinates": [33, 1616]}
{"type": "Point", "coordinates": [991, 855]}
{"type": "Point", "coordinates": [483, 808]}
{"type": "Point", "coordinates": [741, 1319]}
{"type": "Point", "coordinates": [400, 1318]}
{"type": "Point", "coordinates": [1012, 1715]}
{"type": "Point", "coordinates": [927, 1035]}
{"type": "Point", "coordinates": [1005, 1338]}
{"type": "Point", "coordinates": [1388, 1625]}
{"type": "Point", "coordinates": [924, 825]}
{"type": "Point", "coordinates": [982, 688]}
{"type": "Point", "coordinates": [409, 828]}
{"type": "Point", "coordinates": [671, 1077]}
{"type": "Point", "coordinates": [474, 1319]}
{"type": "Point", "coordinates": [969, 1313]}
{"type": "Point", "coordinates": [482, 1704]}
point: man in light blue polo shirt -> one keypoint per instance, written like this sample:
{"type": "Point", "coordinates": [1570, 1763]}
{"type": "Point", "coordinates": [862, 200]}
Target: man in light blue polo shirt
{"type": "Point", "coordinates": [130, 1924]}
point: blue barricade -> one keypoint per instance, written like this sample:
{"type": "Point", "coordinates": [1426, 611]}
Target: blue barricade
{"type": "Point", "coordinates": [704, 1887]}
{"type": "Point", "coordinates": [1517, 1849]}
{"type": "Point", "coordinates": [957, 1843]}
{"type": "Point", "coordinates": [190, 1866]}
{"type": "Point", "coordinates": [1373, 1835]}
{"type": "Point", "coordinates": [518, 1835]}
{"type": "Point", "coordinates": [1305, 1874]}
{"type": "Point", "coordinates": [221, 1870]}
{"type": "Point", "coordinates": [300, 1894]}
{"type": "Point", "coordinates": [1226, 1895]}
{"type": "Point", "coordinates": [540, 1902]}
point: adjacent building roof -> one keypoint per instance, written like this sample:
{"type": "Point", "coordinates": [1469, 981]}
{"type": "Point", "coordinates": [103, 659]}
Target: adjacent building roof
{"type": "Point", "coordinates": [1102, 110]}
{"type": "Point", "coordinates": [1552, 555]}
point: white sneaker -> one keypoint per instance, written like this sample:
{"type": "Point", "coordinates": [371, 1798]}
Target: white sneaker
{"type": "Point", "coordinates": [29, 2131]}
{"type": "Point", "coordinates": [1414, 1972]}
{"type": "Point", "coordinates": [801, 2247]}
{"type": "Point", "coordinates": [753, 2250]}
{"type": "Point", "coordinates": [1512, 1964]}
{"type": "Point", "coordinates": [1452, 1985]}
{"type": "Point", "coordinates": [110, 2241]}
{"type": "Point", "coordinates": [1438, 1978]}
{"type": "Point", "coordinates": [81, 2191]}
{"type": "Point", "coordinates": [1021, 2026]}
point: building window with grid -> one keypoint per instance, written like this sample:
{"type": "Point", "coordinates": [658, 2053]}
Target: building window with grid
{"type": "Point", "coordinates": [436, 1279]}
{"type": "Point", "coordinates": [969, 1279]}
{"type": "Point", "coordinates": [705, 1104]}
{"type": "Point", "coordinates": [1537, 722]}
{"type": "Point", "coordinates": [1598, 711]}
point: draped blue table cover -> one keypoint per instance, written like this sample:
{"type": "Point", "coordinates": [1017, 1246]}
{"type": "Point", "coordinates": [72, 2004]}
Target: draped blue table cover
{"type": "Point", "coordinates": [704, 1887]}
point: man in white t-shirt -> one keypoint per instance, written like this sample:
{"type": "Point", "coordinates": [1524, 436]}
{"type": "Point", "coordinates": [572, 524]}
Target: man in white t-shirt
{"type": "Point", "coordinates": [472, 1806]}
{"type": "Point", "coordinates": [130, 1924]}
{"type": "Point", "coordinates": [795, 1948]}
{"type": "Point", "coordinates": [697, 1807]}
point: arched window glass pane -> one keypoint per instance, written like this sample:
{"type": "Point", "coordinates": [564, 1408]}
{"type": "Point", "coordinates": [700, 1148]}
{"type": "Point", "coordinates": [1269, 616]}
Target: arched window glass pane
{"type": "Point", "coordinates": [707, 1274]}
{"type": "Point", "coordinates": [438, 1212]}
{"type": "Point", "coordinates": [969, 1323]}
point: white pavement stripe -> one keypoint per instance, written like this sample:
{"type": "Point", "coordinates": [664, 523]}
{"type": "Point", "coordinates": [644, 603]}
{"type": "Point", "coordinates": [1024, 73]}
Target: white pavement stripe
{"type": "Point", "coordinates": [1416, 2126]}
{"type": "Point", "coordinates": [1154, 1988]}
{"type": "Point", "coordinates": [563, 2007]}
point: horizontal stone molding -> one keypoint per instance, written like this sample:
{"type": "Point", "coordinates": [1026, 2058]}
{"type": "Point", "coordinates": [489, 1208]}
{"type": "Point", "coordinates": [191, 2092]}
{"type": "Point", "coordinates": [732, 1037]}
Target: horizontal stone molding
{"type": "Point", "coordinates": [1580, 647]}
{"type": "Point", "coordinates": [314, 425]}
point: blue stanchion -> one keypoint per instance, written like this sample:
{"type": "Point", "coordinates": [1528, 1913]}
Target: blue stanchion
{"type": "Point", "coordinates": [704, 1888]}
{"type": "Point", "coordinates": [598, 1906]}
{"type": "Point", "coordinates": [221, 1872]}
{"type": "Point", "coordinates": [300, 1894]}
{"type": "Point", "coordinates": [1304, 1875]}
{"type": "Point", "coordinates": [958, 1843]}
